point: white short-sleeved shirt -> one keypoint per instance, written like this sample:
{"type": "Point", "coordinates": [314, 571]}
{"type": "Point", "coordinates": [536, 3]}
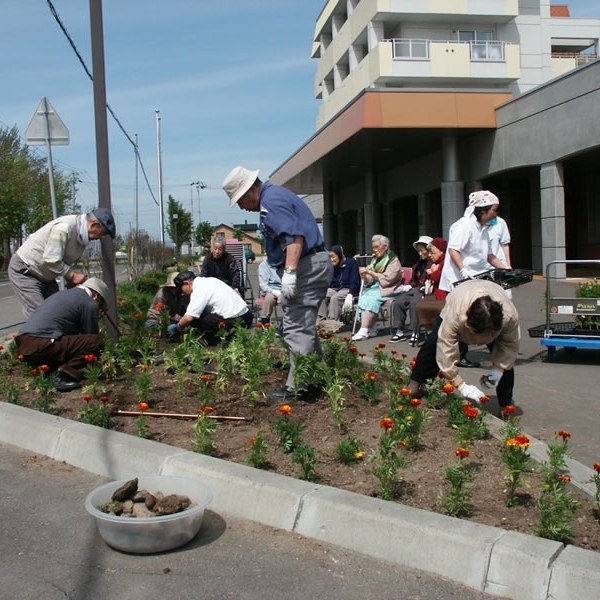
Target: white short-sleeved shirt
{"type": "Point", "coordinates": [472, 240]}
{"type": "Point", "coordinates": [499, 236]}
{"type": "Point", "coordinates": [216, 296]}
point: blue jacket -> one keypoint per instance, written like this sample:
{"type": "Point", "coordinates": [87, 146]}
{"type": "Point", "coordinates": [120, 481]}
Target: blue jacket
{"type": "Point", "coordinates": [346, 276]}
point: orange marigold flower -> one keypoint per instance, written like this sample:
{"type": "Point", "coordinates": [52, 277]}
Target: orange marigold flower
{"type": "Point", "coordinates": [252, 441]}
{"type": "Point", "coordinates": [399, 378]}
{"type": "Point", "coordinates": [160, 305]}
{"type": "Point", "coordinates": [381, 345]}
{"type": "Point", "coordinates": [565, 435]}
{"type": "Point", "coordinates": [372, 376]}
{"type": "Point", "coordinates": [399, 408]}
{"type": "Point", "coordinates": [404, 391]}
{"type": "Point", "coordinates": [353, 349]}
{"type": "Point", "coordinates": [20, 357]}
{"type": "Point", "coordinates": [205, 378]}
{"type": "Point", "coordinates": [143, 406]}
{"type": "Point", "coordinates": [138, 315]}
{"type": "Point", "coordinates": [522, 441]}
{"type": "Point", "coordinates": [87, 397]}
{"type": "Point", "coordinates": [402, 443]}
{"type": "Point", "coordinates": [564, 478]}
{"type": "Point", "coordinates": [377, 351]}
{"type": "Point", "coordinates": [510, 410]}
{"type": "Point", "coordinates": [471, 412]}
{"type": "Point", "coordinates": [484, 400]}
{"type": "Point", "coordinates": [207, 409]}
{"type": "Point", "coordinates": [386, 423]}
{"type": "Point", "coordinates": [45, 369]}
{"type": "Point", "coordinates": [393, 352]}
{"type": "Point", "coordinates": [144, 367]}
{"type": "Point", "coordinates": [222, 324]}
{"type": "Point", "coordinates": [404, 355]}
{"type": "Point", "coordinates": [462, 452]}
{"type": "Point", "coordinates": [104, 399]}
{"type": "Point", "coordinates": [285, 409]}
{"type": "Point", "coordinates": [448, 388]}
{"type": "Point", "coordinates": [415, 402]}
{"type": "Point", "coordinates": [412, 364]}
{"type": "Point", "coordinates": [259, 325]}
{"type": "Point", "coordinates": [266, 325]}
{"type": "Point", "coordinates": [362, 354]}
{"type": "Point", "coordinates": [347, 339]}
{"type": "Point", "coordinates": [34, 372]}
{"type": "Point", "coordinates": [90, 358]}
{"type": "Point", "coordinates": [359, 454]}
{"type": "Point", "coordinates": [440, 375]}
{"type": "Point", "coordinates": [511, 442]}
{"type": "Point", "coordinates": [597, 467]}
{"type": "Point", "coordinates": [1, 347]}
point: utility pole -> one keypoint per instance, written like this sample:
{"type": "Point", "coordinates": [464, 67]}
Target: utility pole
{"type": "Point", "coordinates": [200, 185]}
{"type": "Point", "coordinates": [160, 179]}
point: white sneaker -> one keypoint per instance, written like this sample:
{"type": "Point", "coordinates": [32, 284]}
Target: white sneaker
{"type": "Point", "coordinates": [361, 334]}
{"type": "Point", "coordinates": [373, 331]}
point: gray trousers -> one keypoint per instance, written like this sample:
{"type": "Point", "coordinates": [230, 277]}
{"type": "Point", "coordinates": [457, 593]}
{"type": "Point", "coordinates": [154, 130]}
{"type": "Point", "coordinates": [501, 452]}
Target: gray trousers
{"type": "Point", "coordinates": [406, 304]}
{"type": "Point", "coordinates": [30, 291]}
{"type": "Point", "coordinates": [331, 307]}
{"type": "Point", "coordinates": [300, 313]}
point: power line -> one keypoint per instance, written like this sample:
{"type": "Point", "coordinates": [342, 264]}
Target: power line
{"type": "Point", "coordinates": [110, 110]}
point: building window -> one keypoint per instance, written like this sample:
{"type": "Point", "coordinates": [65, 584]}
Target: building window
{"type": "Point", "coordinates": [483, 46]}
{"type": "Point", "coordinates": [415, 49]}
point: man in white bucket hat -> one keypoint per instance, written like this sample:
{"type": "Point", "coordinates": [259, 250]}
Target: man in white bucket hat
{"type": "Point", "coordinates": [63, 332]}
{"type": "Point", "coordinates": [295, 247]}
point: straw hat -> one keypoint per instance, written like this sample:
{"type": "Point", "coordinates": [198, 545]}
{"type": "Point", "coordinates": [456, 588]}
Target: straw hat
{"type": "Point", "coordinates": [171, 279]}
{"type": "Point", "coordinates": [238, 182]}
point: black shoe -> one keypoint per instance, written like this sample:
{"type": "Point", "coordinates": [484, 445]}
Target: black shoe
{"type": "Point", "coordinates": [398, 337]}
{"type": "Point", "coordinates": [64, 383]}
{"type": "Point", "coordinates": [465, 362]}
{"type": "Point", "coordinates": [209, 368]}
{"type": "Point", "coordinates": [414, 339]}
{"type": "Point", "coordinates": [310, 394]}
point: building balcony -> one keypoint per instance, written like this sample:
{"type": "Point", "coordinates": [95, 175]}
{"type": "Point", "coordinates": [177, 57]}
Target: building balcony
{"type": "Point", "coordinates": [403, 63]}
{"type": "Point", "coordinates": [562, 62]}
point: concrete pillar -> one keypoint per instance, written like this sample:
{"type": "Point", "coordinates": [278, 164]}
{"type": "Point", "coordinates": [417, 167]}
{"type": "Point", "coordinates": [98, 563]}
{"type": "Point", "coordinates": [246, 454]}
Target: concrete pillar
{"type": "Point", "coordinates": [337, 22]}
{"type": "Point", "coordinates": [330, 231]}
{"type": "Point", "coordinates": [350, 6]}
{"type": "Point", "coordinates": [374, 35]}
{"type": "Point", "coordinates": [453, 192]}
{"type": "Point", "coordinates": [371, 209]}
{"type": "Point", "coordinates": [552, 203]}
{"type": "Point", "coordinates": [355, 55]}
{"type": "Point", "coordinates": [422, 213]}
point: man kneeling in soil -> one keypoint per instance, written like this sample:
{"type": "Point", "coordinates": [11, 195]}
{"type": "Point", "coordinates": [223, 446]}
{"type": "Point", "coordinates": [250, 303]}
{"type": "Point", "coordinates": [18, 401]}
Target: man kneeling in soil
{"type": "Point", "coordinates": [63, 331]}
{"type": "Point", "coordinates": [213, 306]}
{"type": "Point", "coordinates": [477, 312]}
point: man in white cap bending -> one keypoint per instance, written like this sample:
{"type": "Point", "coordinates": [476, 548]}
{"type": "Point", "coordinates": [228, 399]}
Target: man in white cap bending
{"type": "Point", "coordinates": [63, 330]}
{"type": "Point", "coordinates": [51, 251]}
{"type": "Point", "coordinates": [295, 247]}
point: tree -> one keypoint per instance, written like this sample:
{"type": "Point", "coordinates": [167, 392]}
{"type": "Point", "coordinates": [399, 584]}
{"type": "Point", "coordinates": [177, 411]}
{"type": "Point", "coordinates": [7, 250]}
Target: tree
{"type": "Point", "coordinates": [204, 233]}
{"type": "Point", "coordinates": [25, 202]}
{"type": "Point", "coordinates": [238, 234]}
{"type": "Point", "coordinates": [179, 224]}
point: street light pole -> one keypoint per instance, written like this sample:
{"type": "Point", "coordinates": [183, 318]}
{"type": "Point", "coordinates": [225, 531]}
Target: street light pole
{"type": "Point", "coordinates": [200, 185]}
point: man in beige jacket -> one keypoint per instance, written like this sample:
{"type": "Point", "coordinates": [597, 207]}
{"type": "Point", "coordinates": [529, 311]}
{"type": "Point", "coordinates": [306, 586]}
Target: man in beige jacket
{"type": "Point", "coordinates": [51, 251]}
{"type": "Point", "coordinates": [479, 312]}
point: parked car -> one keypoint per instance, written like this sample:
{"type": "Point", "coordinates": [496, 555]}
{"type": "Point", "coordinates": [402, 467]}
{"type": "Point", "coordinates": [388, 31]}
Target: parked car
{"type": "Point", "coordinates": [250, 256]}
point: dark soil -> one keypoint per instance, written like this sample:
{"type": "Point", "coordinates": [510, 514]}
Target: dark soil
{"type": "Point", "coordinates": [423, 479]}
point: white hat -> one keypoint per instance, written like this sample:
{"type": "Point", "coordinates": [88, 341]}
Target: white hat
{"type": "Point", "coordinates": [93, 283]}
{"type": "Point", "coordinates": [424, 239]}
{"type": "Point", "coordinates": [480, 198]}
{"type": "Point", "coordinates": [238, 182]}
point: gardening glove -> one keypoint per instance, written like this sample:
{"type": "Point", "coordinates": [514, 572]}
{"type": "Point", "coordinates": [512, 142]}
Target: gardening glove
{"type": "Point", "coordinates": [289, 285]}
{"type": "Point", "coordinates": [466, 274]}
{"type": "Point", "coordinates": [173, 330]}
{"type": "Point", "coordinates": [470, 392]}
{"type": "Point", "coordinates": [491, 380]}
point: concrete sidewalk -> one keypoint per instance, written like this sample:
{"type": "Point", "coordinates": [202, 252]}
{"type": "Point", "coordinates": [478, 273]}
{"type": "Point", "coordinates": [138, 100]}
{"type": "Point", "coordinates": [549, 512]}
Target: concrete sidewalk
{"type": "Point", "coordinates": [560, 395]}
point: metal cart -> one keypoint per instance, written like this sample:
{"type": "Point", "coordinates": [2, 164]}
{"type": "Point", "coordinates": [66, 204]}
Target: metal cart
{"type": "Point", "coordinates": [558, 332]}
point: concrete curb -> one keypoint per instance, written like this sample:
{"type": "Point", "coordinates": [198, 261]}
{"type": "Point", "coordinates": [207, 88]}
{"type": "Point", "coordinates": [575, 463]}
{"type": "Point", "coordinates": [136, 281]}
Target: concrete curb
{"type": "Point", "coordinates": [487, 559]}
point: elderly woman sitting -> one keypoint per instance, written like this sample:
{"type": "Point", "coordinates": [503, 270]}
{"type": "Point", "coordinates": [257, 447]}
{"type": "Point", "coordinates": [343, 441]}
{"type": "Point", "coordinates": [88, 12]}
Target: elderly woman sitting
{"type": "Point", "coordinates": [380, 280]}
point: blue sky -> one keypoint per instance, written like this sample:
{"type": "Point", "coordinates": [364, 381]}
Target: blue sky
{"type": "Point", "coordinates": [233, 80]}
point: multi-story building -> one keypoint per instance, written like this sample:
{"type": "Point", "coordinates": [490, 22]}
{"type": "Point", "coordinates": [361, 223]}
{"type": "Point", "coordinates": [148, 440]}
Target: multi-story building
{"type": "Point", "coordinates": [424, 101]}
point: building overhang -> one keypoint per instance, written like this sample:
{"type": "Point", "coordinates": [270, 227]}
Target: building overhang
{"type": "Point", "coordinates": [381, 129]}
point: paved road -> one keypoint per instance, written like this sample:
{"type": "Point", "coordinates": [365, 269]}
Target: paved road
{"type": "Point", "coordinates": [51, 550]}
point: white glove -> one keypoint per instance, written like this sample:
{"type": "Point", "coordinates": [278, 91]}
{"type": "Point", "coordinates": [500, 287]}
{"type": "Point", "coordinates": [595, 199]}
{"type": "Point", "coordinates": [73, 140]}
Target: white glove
{"type": "Point", "coordinates": [289, 285]}
{"type": "Point", "coordinates": [491, 380]}
{"type": "Point", "coordinates": [471, 392]}
{"type": "Point", "coordinates": [276, 293]}
{"type": "Point", "coordinates": [465, 273]}
{"type": "Point", "coordinates": [403, 288]}
{"type": "Point", "coordinates": [428, 288]}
